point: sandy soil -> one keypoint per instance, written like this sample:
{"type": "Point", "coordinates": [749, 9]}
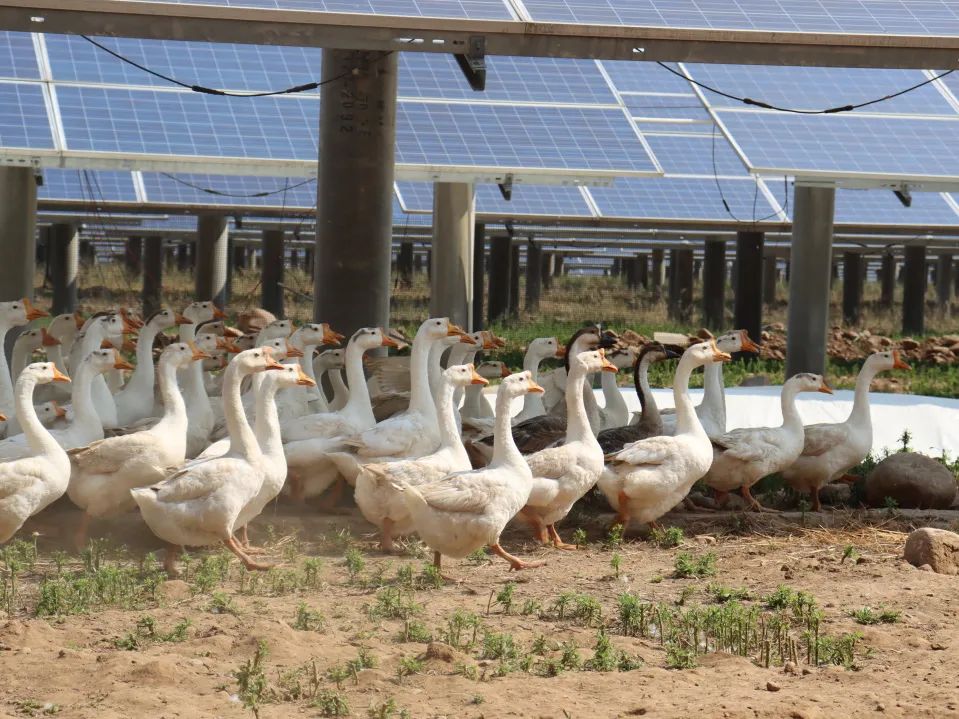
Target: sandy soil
{"type": "Point", "coordinates": [71, 665]}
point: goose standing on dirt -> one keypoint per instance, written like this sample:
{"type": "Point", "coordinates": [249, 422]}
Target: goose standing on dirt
{"type": "Point", "coordinates": [12, 314]}
{"type": "Point", "coordinates": [831, 450]}
{"type": "Point", "coordinates": [539, 349]}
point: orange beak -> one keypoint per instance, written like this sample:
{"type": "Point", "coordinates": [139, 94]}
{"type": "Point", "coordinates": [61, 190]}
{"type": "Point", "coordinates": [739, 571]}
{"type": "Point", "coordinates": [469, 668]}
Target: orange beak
{"type": "Point", "coordinates": [231, 332]}
{"type": "Point", "coordinates": [3, 417]}
{"type": "Point", "coordinates": [467, 340]}
{"type": "Point", "coordinates": [303, 378]}
{"type": "Point", "coordinates": [498, 341]}
{"type": "Point", "coordinates": [504, 372]}
{"type": "Point", "coordinates": [33, 313]}
{"type": "Point", "coordinates": [535, 388]}
{"type": "Point", "coordinates": [476, 379]}
{"type": "Point", "coordinates": [180, 319]}
{"type": "Point", "coordinates": [898, 362]}
{"type": "Point", "coordinates": [748, 344]}
{"type": "Point", "coordinates": [225, 344]}
{"type": "Point", "coordinates": [607, 365]}
{"type": "Point", "coordinates": [292, 351]}
{"type": "Point", "coordinates": [106, 344]}
{"type": "Point", "coordinates": [48, 339]}
{"type": "Point", "coordinates": [560, 353]}
{"type": "Point", "coordinates": [119, 362]}
{"type": "Point", "coordinates": [456, 331]}
{"type": "Point", "coordinates": [78, 319]}
{"type": "Point", "coordinates": [271, 363]}
{"type": "Point", "coordinates": [719, 356]}
{"type": "Point", "coordinates": [129, 345]}
{"type": "Point", "coordinates": [387, 340]}
{"type": "Point", "coordinates": [218, 314]}
{"type": "Point", "coordinates": [131, 318]}
{"type": "Point", "coordinates": [59, 411]}
{"type": "Point", "coordinates": [58, 376]}
{"type": "Point", "coordinates": [330, 337]}
{"type": "Point", "coordinates": [824, 388]}
{"type": "Point", "coordinates": [198, 354]}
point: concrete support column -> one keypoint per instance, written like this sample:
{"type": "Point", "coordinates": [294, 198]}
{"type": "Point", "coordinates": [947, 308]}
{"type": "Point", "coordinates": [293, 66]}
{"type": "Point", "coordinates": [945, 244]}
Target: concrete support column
{"type": "Point", "coordinates": [271, 271]}
{"type": "Point", "coordinates": [499, 279]}
{"type": "Point", "coordinates": [404, 264]}
{"type": "Point", "coordinates": [887, 280]}
{"type": "Point", "coordinates": [479, 275]}
{"type": "Point", "coordinates": [748, 291]}
{"type": "Point", "coordinates": [714, 285]}
{"type": "Point", "coordinates": [451, 285]}
{"type": "Point", "coordinates": [811, 258]}
{"type": "Point", "coordinates": [684, 285]}
{"type": "Point", "coordinates": [642, 271]}
{"type": "Point", "coordinates": [657, 269]}
{"type": "Point", "coordinates": [152, 295]}
{"type": "Point", "coordinates": [354, 207]}
{"type": "Point", "coordinates": [534, 276]}
{"type": "Point", "coordinates": [559, 268]}
{"type": "Point", "coordinates": [852, 287]}
{"type": "Point", "coordinates": [944, 282]}
{"type": "Point", "coordinates": [630, 272]}
{"type": "Point", "coordinates": [914, 290]}
{"type": "Point", "coordinates": [770, 280]}
{"type": "Point", "coordinates": [183, 257]}
{"type": "Point", "coordinates": [514, 281]}
{"type": "Point", "coordinates": [64, 261]}
{"type": "Point", "coordinates": [548, 263]}
{"type": "Point", "coordinates": [212, 259]}
{"type": "Point", "coordinates": [133, 256]}
{"type": "Point", "coordinates": [18, 213]}
{"type": "Point", "coordinates": [672, 287]}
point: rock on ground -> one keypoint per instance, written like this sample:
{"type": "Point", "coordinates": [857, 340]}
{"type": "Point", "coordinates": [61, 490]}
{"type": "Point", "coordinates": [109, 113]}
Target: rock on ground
{"type": "Point", "coordinates": [913, 480]}
{"type": "Point", "coordinates": [937, 548]}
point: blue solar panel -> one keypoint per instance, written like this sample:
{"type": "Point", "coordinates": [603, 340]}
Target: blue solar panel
{"type": "Point", "coordinates": [667, 107]}
{"type": "Point", "coordinates": [508, 136]}
{"type": "Point", "coordinates": [18, 59]}
{"type": "Point", "coordinates": [471, 9]}
{"type": "Point", "coordinates": [186, 123]}
{"type": "Point", "coordinates": [642, 76]}
{"type": "Point", "coordinates": [884, 146]}
{"type": "Point", "coordinates": [681, 198]}
{"type": "Point", "coordinates": [883, 207]}
{"type": "Point", "coordinates": [548, 200]}
{"type": "Point", "coordinates": [526, 79]}
{"type": "Point", "coordinates": [696, 155]}
{"type": "Point", "coordinates": [87, 185]}
{"type": "Point", "coordinates": [23, 117]}
{"type": "Point", "coordinates": [218, 65]}
{"type": "Point", "coordinates": [894, 17]}
{"type": "Point", "coordinates": [179, 188]}
{"type": "Point", "coordinates": [819, 88]}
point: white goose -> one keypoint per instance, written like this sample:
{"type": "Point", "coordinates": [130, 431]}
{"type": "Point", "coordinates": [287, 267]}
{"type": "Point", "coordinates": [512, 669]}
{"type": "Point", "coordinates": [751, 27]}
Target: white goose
{"type": "Point", "coordinates": [647, 478]}
{"type": "Point", "coordinates": [102, 327]}
{"type": "Point", "coordinates": [475, 407]}
{"type": "Point", "coordinates": [200, 505]}
{"type": "Point", "coordinates": [135, 401]}
{"type": "Point", "coordinates": [25, 345]}
{"type": "Point", "coordinates": [105, 471]}
{"type": "Point", "coordinates": [538, 350]}
{"type": "Point", "coordinates": [29, 484]}
{"type": "Point", "coordinates": [831, 450]}
{"type": "Point", "coordinates": [199, 412]}
{"type": "Point", "coordinates": [615, 413]}
{"type": "Point", "coordinates": [468, 510]}
{"type": "Point", "coordinates": [744, 456]}
{"type": "Point", "coordinates": [328, 364]}
{"type": "Point", "coordinates": [307, 338]}
{"type": "Point", "coordinates": [562, 475]}
{"type": "Point", "coordinates": [12, 314]}
{"type": "Point", "coordinates": [65, 328]}
{"type": "Point", "coordinates": [375, 494]}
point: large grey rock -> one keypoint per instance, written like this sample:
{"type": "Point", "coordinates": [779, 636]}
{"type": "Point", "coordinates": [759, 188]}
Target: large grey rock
{"type": "Point", "coordinates": [913, 480]}
{"type": "Point", "coordinates": [937, 548]}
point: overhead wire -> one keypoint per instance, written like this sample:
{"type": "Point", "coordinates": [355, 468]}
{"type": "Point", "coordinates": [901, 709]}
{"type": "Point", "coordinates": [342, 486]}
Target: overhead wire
{"type": "Point", "coordinates": [220, 193]}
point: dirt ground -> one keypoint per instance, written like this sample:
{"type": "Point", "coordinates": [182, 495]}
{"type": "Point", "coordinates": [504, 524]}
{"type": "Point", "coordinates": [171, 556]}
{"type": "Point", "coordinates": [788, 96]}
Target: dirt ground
{"type": "Point", "coordinates": [100, 664]}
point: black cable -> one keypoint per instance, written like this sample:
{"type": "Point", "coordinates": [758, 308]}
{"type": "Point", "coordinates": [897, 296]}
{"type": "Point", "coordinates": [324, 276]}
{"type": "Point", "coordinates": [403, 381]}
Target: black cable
{"type": "Point", "coordinates": [226, 93]}
{"type": "Point", "coordinates": [722, 197]}
{"type": "Point", "coordinates": [828, 111]}
{"type": "Point", "coordinates": [220, 193]}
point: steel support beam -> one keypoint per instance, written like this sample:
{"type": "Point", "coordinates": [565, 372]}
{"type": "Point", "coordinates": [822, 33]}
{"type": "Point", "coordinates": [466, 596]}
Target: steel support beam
{"type": "Point", "coordinates": [64, 260]}
{"type": "Point", "coordinates": [748, 298]}
{"type": "Point", "coordinates": [354, 207]}
{"type": "Point", "coordinates": [499, 279]}
{"type": "Point", "coordinates": [642, 270]}
{"type": "Point", "coordinates": [271, 272]}
{"type": "Point", "coordinates": [479, 275]}
{"type": "Point", "coordinates": [714, 286]}
{"type": "Point", "coordinates": [852, 288]}
{"type": "Point", "coordinates": [451, 284]}
{"type": "Point", "coordinates": [810, 272]}
{"type": "Point", "coordinates": [18, 211]}
{"type": "Point", "coordinates": [914, 290]}
{"type": "Point", "coordinates": [152, 294]}
{"type": "Point", "coordinates": [212, 259]}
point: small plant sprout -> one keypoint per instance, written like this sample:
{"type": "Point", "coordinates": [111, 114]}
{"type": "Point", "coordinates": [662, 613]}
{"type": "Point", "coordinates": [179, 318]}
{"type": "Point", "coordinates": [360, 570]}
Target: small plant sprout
{"type": "Point", "coordinates": [666, 538]}
{"type": "Point", "coordinates": [867, 615]}
{"type": "Point", "coordinates": [614, 537]}
{"type": "Point", "coordinates": [849, 552]}
{"type": "Point", "coordinates": [579, 537]}
{"type": "Point", "coordinates": [331, 704]}
{"type": "Point", "coordinates": [689, 565]}
{"type": "Point", "coordinates": [409, 666]}
{"type": "Point", "coordinates": [307, 619]}
{"type": "Point", "coordinates": [354, 561]}
{"type": "Point", "coordinates": [504, 597]}
{"type": "Point", "coordinates": [616, 561]}
{"type": "Point", "coordinates": [251, 680]}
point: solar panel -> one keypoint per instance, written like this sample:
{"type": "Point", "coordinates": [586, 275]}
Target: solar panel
{"type": "Point", "coordinates": [839, 145]}
{"type": "Point", "coordinates": [23, 117]}
{"type": "Point", "coordinates": [548, 200]}
{"type": "Point", "coordinates": [883, 207]}
{"type": "Point", "coordinates": [524, 79]}
{"type": "Point", "coordinates": [817, 88]}
{"type": "Point", "coordinates": [218, 65]}
{"type": "Point", "coordinates": [87, 185]}
{"type": "Point", "coordinates": [467, 9]}
{"type": "Point", "coordinates": [640, 76]}
{"type": "Point", "coordinates": [186, 123]}
{"type": "Point", "coordinates": [667, 107]}
{"type": "Point", "coordinates": [18, 59]}
{"type": "Point", "coordinates": [182, 188]}
{"type": "Point", "coordinates": [894, 17]}
{"type": "Point", "coordinates": [508, 136]}
{"type": "Point", "coordinates": [696, 154]}
{"type": "Point", "coordinates": [681, 198]}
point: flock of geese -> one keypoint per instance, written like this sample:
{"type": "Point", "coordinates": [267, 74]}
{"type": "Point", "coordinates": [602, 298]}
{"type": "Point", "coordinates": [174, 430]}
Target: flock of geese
{"type": "Point", "coordinates": [206, 431]}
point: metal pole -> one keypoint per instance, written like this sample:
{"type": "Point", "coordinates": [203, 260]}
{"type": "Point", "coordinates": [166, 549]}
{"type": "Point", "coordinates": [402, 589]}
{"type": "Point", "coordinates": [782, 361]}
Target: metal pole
{"type": "Point", "coordinates": [714, 285]}
{"type": "Point", "coordinates": [451, 285]}
{"type": "Point", "coordinates": [811, 269]}
{"type": "Point", "coordinates": [499, 279]}
{"type": "Point", "coordinates": [479, 273]}
{"type": "Point", "coordinates": [271, 271]}
{"type": "Point", "coordinates": [914, 290]}
{"type": "Point", "coordinates": [672, 294]}
{"type": "Point", "coordinates": [152, 275]}
{"type": "Point", "coordinates": [851, 288]}
{"type": "Point", "coordinates": [354, 208]}
{"type": "Point", "coordinates": [748, 291]}
{"type": "Point", "coordinates": [64, 254]}
{"type": "Point", "coordinates": [534, 275]}
{"type": "Point", "coordinates": [211, 259]}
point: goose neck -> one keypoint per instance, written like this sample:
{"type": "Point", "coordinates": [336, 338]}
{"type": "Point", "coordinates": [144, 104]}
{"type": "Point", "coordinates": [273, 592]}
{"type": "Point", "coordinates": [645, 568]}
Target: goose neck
{"type": "Point", "coordinates": [687, 422]}
{"type": "Point", "coordinates": [358, 403]}
{"type": "Point", "coordinates": [646, 398]}
{"type": "Point", "coordinates": [268, 420]}
{"type": "Point", "coordinates": [81, 397]}
{"type": "Point", "coordinates": [40, 441]}
{"type": "Point", "coordinates": [144, 375]}
{"type": "Point", "coordinates": [578, 427]}
{"type": "Point", "coordinates": [420, 398]}
{"type": "Point", "coordinates": [860, 404]}
{"type": "Point", "coordinates": [787, 400]}
{"type": "Point", "coordinates": [174, 409]}
{"type": "Point", "coordinates": [242, 439]}
{"type": "Point", "coordinates": [504, 447]}
{"type": "Point", "coordinates": [446, 413]}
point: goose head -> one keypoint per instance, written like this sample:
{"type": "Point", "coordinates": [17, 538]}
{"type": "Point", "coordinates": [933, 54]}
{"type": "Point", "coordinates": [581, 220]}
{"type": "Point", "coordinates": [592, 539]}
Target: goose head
{"type": "Point", "coordinates": [198, 312]}
{"type": "Point", "coordinates": [106, 359]}
{"type": "Point", "coordinates": [34, 339]}
{"type": "Point", "coordinates": [463, 375]}
{"type": "Point", "coordinates": [317, 333]}
{"type": "Point", "coordinates": [65, 326]}
{"type": "Point", "coordinates": [736, 341]}
{"type": "Point", "coordinates": [49, 412]}
{"type": "Point", "coordinates": [594, 361]}
{"type": "Point", "coordinates": [245, 342]}
{"type": "Point", "coordinates": [164, 319]}
{"type": "Point", "coordinates": [213, 326]}
{"type": "Point", "coordinates": [656, 352]}
{"type": "Point", "coordinates": [276, 329]}
{"type": "Point", "coordinates": [544, 348]}
{"type": "Point", "coordinates": [807, 382]}
{"type": "Point", "coordinates": [292, 375]}
{"type": "Point", "coordinates": [519, 384]}
{"type": "Point", "coordinates": [703, 353]}
{"type": "Point", "coordinates": [367, 338]}
{"type": "Point", "coordinates": [492, 370]}
{"type": "Point", "coordinates": [131, 319]}
{"type": "Point", "coordinates": [18, 312]}
{"type": "Point", "coordinates": [890, 359]}
{"type": "Point", "coordinates": [257, 359]}
{"type": "Point", "coordinates": [181, 354]}
{"type": "Point", "coordinates": [43, 373]}
{"type": "Point", "coordinates": [623, 358]}
{"type": "Point", "coordinates": [333, 359]}
{"type": "Point", "coordinates": [437, 328]}
{"type": "Point", "coordinates": [282, 349]}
